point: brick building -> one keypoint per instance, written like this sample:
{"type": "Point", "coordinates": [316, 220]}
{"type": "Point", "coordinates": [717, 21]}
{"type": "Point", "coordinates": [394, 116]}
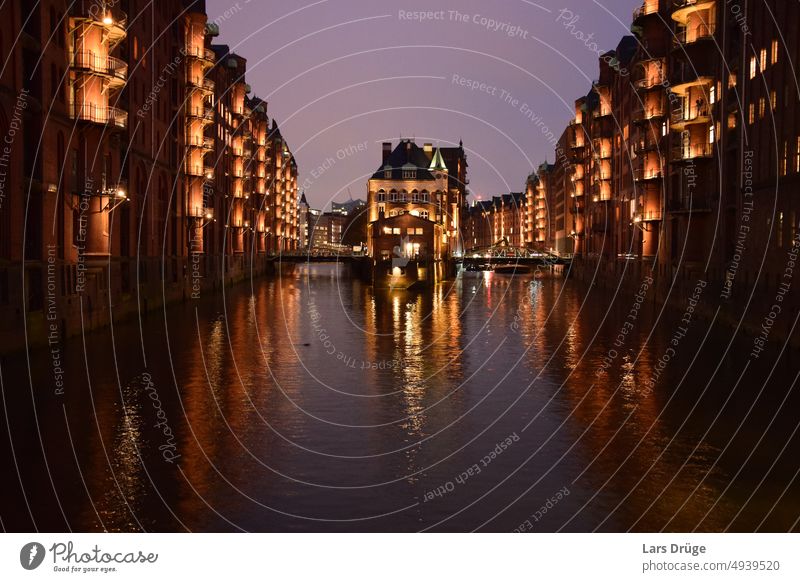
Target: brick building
{"type": "Point", "coordinates": [135, 166]}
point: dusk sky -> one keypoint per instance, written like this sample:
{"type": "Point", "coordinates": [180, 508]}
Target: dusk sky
{"type": "Point", "coordinates": [343, 76]}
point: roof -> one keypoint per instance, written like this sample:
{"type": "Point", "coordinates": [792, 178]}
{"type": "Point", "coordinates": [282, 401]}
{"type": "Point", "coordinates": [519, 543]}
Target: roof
{"type": "Point", "coordinates": [408, 154]}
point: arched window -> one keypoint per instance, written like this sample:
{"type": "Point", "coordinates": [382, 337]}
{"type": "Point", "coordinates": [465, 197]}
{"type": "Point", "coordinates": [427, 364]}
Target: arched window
{"type": "Point", "coordinates": [424, 196]}
{"type": "Point", "coordinates": [393, 195]}
{"type": "Point", "coordinates": [423, 214]}
{"type": "Point", "coordinates": [381, 195]}
{"type": "Point", "coordinates": [414, 196]}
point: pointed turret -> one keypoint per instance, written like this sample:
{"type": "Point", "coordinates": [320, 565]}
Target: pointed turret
{"type": "Point", "coordinates": [437, 163]}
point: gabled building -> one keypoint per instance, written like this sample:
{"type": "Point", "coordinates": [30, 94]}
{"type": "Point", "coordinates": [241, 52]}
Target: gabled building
{"type": "Point", "coordinates": [426, 182]}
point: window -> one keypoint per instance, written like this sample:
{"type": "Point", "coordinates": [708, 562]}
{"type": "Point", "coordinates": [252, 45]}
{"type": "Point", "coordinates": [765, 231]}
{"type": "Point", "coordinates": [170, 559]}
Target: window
{"type": "Point", "coordinates": [773, 99]}
{"type": "Point", "coordinates": [712, 94]}
{"type": "Point", "coordinates": [397, 230]}
{"type": "Point", "coordinates": [761, 107]}
{"type": "Point", "coordinates": [732, 81]}
{"type": "Point", "coordinates": [763, 60]}
{"type": "Point", "coordinates": [752, 67]}
{"type": "Point", "coordinates": [420, 231]}
{"type": "Point", "coordinates": [393, 195]}
{"type": "Point", "coordinates": [415, 196]}
{"type": "Point", "coordinates": [785, 159]}
{"type": "Point", "coordinates": [751, 114]}
{"type": "Point", "coordinates": [774, 51]}
{"type": "Point", "coordinates": [711, 133]}
{"type": "Point", "coordinates": [387, 174]}
{"type": "Point", "coordinates": [797, 155]}
{"type": "Point", "coordinates": [779, 228]}
{"type": "Point", "coordinates": [381, 196]}
{"type": "Point", "coordinates": [402, 196]}
{"type": "Point", "coordinates": [409, 174]}
{"type": "Point", "coordinates": [382, 208]}
{"type": "Point", "coordinates": [424, 196]}
{"type": "Point", "coordinates": [423, 214]}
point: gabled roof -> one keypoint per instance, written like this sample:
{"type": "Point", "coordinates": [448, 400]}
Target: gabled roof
{"type": "Point", "coordinates": [408, 154]}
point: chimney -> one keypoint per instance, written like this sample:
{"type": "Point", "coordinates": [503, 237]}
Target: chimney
{"type": "Point", "coordinates": [428, 148]}
{"type": "Point", "coordinates": [387, 150]}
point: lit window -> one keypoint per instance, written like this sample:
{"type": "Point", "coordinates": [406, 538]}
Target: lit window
{"type": "Point", "coordinates": [785, 159]}
{"type": "Point", "coordinates": [712, 94]}
{"type": "Point", "coordinates": [762, 107]}
{"type": "Point", "coordinates": [752, 67]}
{"type": "Point", "coordinates": [711, 132]}
{"type": "Point", "coordinates": [774, 51]}
{"type": "Point", "coordinates": [763, 60]}
{"type": "Point", "coordinates": [797, 156]}
{"type": "Point", "coordinates": [732, 81]}
{"type": "Point", "coordinates": [773, 99]}
{"type": "Point", "coordinates": [409, 174]}
{"type": "Point", "coordinates": [420, 231]}
{"type": "Point", "coordinates": [751, 115]}
{"type": "Point", "coordinates": [780, 229]}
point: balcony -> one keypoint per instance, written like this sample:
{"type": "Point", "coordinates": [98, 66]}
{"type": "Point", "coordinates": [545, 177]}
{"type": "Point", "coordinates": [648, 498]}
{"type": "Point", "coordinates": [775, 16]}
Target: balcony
{"type": "Point", "coordinates": [647, 174]}
{"type": "Point", "coordinates": [113, 69]}
{"type": "Point", "coordinates": [650, 74]}
{"type": "Point", "coordinates": [681, 9]}
{"type": "Point", "coordinates": [206, 143]}
{"type": "Point", "coordinates": [205, 55]}
{"type": "Point", "coordinates": [205, 114]}
{"type": "Point", "coordinates": [689, 152]}
{"type": "Point", "coordinates": [202, 84]}
{"type": "Point", "coordinates": [686, 37]}
{"type": "Point", "coordinates": [680, 118]}
{"type": "Point", "coordinates": [113, 116]}
{"type": "Point", "coordinates": [646, 114]}
{"type": "Point", "coordinates": [647, 8]}
{"type": "Point", "coordinates": [648, 216]}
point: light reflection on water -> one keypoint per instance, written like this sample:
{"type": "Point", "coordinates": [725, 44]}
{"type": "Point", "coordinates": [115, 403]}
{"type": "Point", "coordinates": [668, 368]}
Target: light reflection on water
{"type": "Point", "coordinates": [347, 419]}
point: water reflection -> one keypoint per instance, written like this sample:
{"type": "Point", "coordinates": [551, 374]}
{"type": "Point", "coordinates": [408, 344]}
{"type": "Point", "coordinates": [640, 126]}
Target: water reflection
{"type": "Point", "coordinates": [312, 402]}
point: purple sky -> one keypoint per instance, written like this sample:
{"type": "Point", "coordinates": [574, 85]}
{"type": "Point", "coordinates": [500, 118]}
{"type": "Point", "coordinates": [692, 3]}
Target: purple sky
{"type": "Point", "coordinates": [341, 76]}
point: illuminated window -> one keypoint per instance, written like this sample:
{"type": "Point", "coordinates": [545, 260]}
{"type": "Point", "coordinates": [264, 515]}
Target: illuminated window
{"type": "Point", "coordinates": [423, 214]}
{"type": "Point", "coordinates": [752, 67]}
{"type": "Point", "coordinates": [773, 99]}
{"type": "Point", "coordinates": [763, 60]}
{"type": "Point", "coordinates": [711, 133]}
{"type": "Point", "coordinates": [762, 107]}
{"type": "Point", "coordinates": [797, 156]}
{"type": "Point", "coordinates": [732, 81]}
{"type": "Point", "coordinates": [785, 159]}
{"type": "Point", "coordinates": [779, 228]}
{"type": "Point", "coordinates": [751, 115]}
{"type": "Point", "coordinates": [712, 94]}
{"type": "Point", "coordinates": [774, 51]}
{"type": "Point", "coordinates": [396, 231]}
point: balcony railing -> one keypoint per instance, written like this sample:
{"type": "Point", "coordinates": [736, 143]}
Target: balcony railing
{"type": "Point", "coordinates": [207, 143]}
{"type": "Point", "coordinates": [644, 114]}
{"type": "Point", "coordinates": [686, 152]}
{"type": "Point", "coordinates": [696, 113]}
{"type": "Point", "coordinates": [647, 8]}
{"type": "Point", "coordinates": [688, 36]}
{"type": "Point", "coordinates": [202, 53]}
{"type": "Point", "coordinates": [645, 174]}
{"type": "Point", "coordinates": [103, 115]}
{"type": "Point", "coordinates": [648, 216]}
{"type": "Point", "coordinates": [204, 113]}
{"type": "Point", "coordinates": [114, 68]}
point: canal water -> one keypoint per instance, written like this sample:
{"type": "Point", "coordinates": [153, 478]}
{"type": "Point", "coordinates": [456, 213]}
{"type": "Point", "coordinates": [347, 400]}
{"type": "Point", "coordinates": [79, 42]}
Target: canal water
{"type": "Point", "coordinates": [492, 403]}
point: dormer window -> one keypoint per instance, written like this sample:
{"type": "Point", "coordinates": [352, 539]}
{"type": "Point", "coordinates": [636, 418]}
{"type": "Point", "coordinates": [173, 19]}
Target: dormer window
{"type": "Point", "coordinates": [387, 172]}
{"type": "Point", "coordinates": [409, 172]}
